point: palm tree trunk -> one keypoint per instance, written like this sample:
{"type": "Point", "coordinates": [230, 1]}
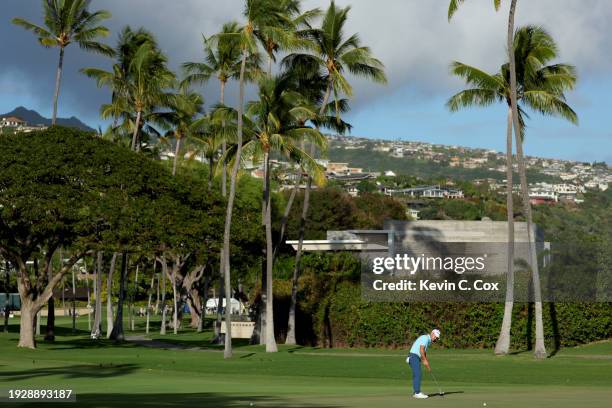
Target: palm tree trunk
{"type": "Point", "coordinates": [540, 348]}
{"type": "Point", "coordinates": [228, 216]}
{"type": "Point", "coordinates": [211, 167]}
{"type": "Point", "coordinates": [298, 252]}
{"type": "Point", "coordinates": [109, 297]}
{"type": "Point", "coordinates": [176, 155]}
{"type": "Point", "coordinates": [117, 333]}
{"type": "Point", "coordinates": [288, 206]}
{"type": "Point", "coordinates": [135, 144]}
{"type": "Point", "coordinates": [269, 64]}
{"type": "Point", "coordinates": [223, 148]}
{"type": "Point", "coordinates": [502, 346]}
{"type": "Point", "coordinates": [217, 327]}
{"type": "Point", "coordinates": [270, 340]}
{"type": "Point", "coordinates": [58, 81]}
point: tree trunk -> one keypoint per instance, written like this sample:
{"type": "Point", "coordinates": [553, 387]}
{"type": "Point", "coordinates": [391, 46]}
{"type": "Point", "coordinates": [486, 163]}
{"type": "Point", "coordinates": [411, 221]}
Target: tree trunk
{"type": "Point", "coordinates": [176, 155]}
{"type": "Point", "coordinates": [302, 232]}
{"type": "Point", "coordinates": [150, 298]}
{"type": "Point", "coordinates": [218, 322]}
{"type": "Point", "coordinates": [502, 346]}
{"type": "Point", "coordinates": [203, 304]}
{"type": "Point", "coordinates": [162, 329]}
{"type": "Point", "coordinates": [58, 81]}
{"type": "Point", "coordinates": [26, 325]}
{"type": "Point", "coordinates": [50, 329]}
{"type": "Point", "coordinates": [37, 323]}
{"type": "Point", "coordinates": [175, 315]}
{"type": "Point", "coordinates": [97, 326]}
{"type": "Point", "coordinates": [73, 304]}
{"type": "Point", "coordinates": [6, 306]}
{"type": "Point", "coordinates": [109, 297]}
{"type": "Point", "coordinates": [195, 307]}
{"type": "Point", "coordinates": [157, 295]}
{"type": "Point", "coordinates": [133, 299]}
{"type": "Point", "coordinates": [270, 339]}
{"type": "Point", "coordinates": [135, 144]}
{"type": "Point", "coordinates": [228, 216]}
{"type": "Point", "coordinates": [88, 301]}
{"type": "Point", "coordinates": [117, 333]}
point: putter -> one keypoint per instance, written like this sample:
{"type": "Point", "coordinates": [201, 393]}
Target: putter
{"type": "Point", "coordinates": [440, 392]}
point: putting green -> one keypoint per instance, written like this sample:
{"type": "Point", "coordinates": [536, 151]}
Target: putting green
{"type": "Point", "coordinates": [106, 375]}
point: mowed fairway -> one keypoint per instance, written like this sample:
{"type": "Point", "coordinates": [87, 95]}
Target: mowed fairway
{"type": "Point", "coordinates": [129, 375]}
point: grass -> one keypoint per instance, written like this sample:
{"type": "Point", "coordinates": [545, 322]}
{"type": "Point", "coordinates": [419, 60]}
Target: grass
{"type": "Point", "coordinates": [107, 375]}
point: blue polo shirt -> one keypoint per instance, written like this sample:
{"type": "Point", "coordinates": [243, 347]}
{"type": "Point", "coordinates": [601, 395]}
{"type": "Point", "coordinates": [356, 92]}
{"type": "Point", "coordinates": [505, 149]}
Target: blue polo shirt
{"type": "Point", "coordinates": [424, 341]}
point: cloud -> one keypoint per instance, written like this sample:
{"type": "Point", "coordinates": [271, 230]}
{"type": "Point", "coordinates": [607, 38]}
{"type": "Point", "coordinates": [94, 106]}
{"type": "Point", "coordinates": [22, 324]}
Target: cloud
{"type": "Point", "coordinates": [412, 37]}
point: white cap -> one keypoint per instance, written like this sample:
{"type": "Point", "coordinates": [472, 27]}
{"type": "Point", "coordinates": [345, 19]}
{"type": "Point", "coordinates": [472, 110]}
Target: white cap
{"type": "Point", "coordinates": [436, 333]}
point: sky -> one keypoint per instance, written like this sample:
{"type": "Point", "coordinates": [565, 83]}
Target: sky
{"type": "Point", "coordinates": [413, 38]}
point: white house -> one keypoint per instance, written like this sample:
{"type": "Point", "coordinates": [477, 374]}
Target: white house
{"type": "Point", "coordinates": [12, 121]}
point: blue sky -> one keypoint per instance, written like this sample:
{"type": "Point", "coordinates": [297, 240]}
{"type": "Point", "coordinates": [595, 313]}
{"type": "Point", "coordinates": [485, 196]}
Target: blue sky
{"type": "Point", "coordinates": [412, 37]}
{"type": "Point", "coordinates": [430, 121]}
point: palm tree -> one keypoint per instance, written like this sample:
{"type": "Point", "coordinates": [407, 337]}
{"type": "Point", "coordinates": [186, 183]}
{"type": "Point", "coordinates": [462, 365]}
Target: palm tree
{"type": "Point", "coordinates": [67, 22]}
{"type": "Point", "coordinates": [541, 88]}
{"type": "Point", "coordinates": [138, 80]}
{"type": "Point", "coordinates": [287, 29]}
{"type": "Point", "coordinates": [278, 126]}
{"type": "Point", "coordinates": [221, 59]}
{"type": "Point", "coordinates": [550, 101]}
{"type": "Point", "coordinates": [332, 55]}
{"type": "Point", "coordinates": [262, 17]}
{"type": "Point", "coordinates": [503, 343]}
{"type": "Point", "coordinates": [184, 106]}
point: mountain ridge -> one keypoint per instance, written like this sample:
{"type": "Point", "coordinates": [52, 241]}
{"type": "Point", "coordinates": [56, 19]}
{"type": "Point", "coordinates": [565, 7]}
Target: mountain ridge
{"type": "Point", "coordinates": [34, 118]}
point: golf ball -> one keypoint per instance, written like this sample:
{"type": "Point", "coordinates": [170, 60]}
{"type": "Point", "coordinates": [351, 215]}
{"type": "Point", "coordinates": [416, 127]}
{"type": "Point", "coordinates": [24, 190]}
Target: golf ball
{"type": "Point", "coordinates": [484, 404]}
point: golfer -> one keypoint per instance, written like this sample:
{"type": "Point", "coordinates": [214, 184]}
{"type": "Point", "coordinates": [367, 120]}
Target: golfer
{"type": "Point", "coordinates": [418, 353]}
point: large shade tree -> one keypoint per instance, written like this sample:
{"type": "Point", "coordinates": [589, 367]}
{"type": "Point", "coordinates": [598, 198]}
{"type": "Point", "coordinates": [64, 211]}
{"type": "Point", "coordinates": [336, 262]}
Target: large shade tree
{"type": "Point", "coordinates": [97, 196]}
{"type": "Point", "coordinates": [540, 87]}
{"type": "Point", "coordinates": [67, 22]}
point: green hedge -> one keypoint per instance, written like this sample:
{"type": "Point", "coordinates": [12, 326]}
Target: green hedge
{"type": "Point", "coordinates": [357, 323]}
{"type": "Point", "coordinates": [343, 319]}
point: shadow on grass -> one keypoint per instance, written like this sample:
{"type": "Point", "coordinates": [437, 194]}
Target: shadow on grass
{"type": "Point", "coordinates": [68, 372]}
{"type": "Point", "coordinates": [82, 343]}
{"type": "Point", "coordinates": [198, 343]}
{"type": "Point", "coordinates": [444, 394]}
{"type": "Point", "coordinates": [182, 400]}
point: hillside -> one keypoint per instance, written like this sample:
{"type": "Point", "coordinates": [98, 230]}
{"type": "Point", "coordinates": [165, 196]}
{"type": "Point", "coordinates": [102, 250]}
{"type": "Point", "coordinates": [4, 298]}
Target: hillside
{"type": "Point", "coordinates": [376, 161]}
{"type": "Point", "coordinates": [35, 118]}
